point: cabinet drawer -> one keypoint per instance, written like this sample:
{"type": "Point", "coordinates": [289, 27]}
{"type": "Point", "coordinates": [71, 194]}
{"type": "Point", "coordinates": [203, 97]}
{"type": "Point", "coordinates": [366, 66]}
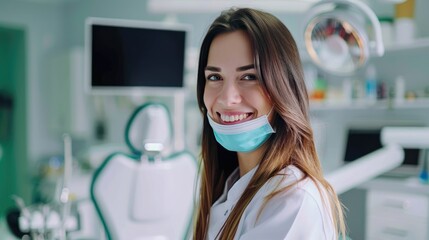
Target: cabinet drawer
{"type": "Point", "coordinates": [379, 228]}
{"type": "Point", "coordinates": [393, 203]}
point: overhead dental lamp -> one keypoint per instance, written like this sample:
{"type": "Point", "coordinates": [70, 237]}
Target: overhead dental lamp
{"type": "Point", "coordinates": [337, 38]}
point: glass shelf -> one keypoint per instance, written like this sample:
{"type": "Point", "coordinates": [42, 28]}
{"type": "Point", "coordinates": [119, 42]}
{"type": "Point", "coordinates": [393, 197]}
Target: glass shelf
{"type": "Point", "coordinates": [420, 103]}
{"type": "Point", "coordinates": [417, 44]}
{"type": "Point", "coordinates": [414, 45]}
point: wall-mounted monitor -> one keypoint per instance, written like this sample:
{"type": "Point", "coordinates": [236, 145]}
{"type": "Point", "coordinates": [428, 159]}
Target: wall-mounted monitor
{"type": "Point", "coordinates": [126, 56]}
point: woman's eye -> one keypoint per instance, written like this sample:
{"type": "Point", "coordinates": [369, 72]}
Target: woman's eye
{"type": "Point", "coordinates": [213, 77]}
{"type": "Point", "coordinates": [249, 77]}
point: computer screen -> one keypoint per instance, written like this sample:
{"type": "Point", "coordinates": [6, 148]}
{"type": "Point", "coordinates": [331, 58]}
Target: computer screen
{"type": "Point", "coordinates": [128, 54]}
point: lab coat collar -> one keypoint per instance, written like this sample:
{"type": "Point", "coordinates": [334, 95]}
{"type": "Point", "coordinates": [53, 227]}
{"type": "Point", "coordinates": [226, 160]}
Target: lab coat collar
{"type": "Point", "coordinates": [235, 186]}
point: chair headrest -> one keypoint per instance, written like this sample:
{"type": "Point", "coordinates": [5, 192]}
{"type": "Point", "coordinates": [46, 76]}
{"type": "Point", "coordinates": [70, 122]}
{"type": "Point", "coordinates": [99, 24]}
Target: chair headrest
{"type": "Point", "coordinates": [149, 130]}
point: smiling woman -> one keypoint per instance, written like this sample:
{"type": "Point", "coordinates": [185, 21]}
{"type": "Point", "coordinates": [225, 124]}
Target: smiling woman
{"type": "Point", "coordinates": [234, 98]}
{"type": "Point", "coordinates": [232, 88]}
{"type": "Point", "coordinates": [261, 177]}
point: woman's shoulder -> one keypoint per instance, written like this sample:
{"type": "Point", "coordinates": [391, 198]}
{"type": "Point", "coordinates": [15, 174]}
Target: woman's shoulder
{"type": "Point", "coordinates": [296, 199]}
{"type": "Point", "coordinates": [293, 183]}
{"type": "Point", "coordinates": [290, 178]}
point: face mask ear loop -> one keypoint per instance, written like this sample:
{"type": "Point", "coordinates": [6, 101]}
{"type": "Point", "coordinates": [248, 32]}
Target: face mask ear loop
{"type": "Point", "coordinates": [268, 114]}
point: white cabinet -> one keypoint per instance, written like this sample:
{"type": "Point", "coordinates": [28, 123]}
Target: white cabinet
{"type": "Point", "coordinates": [396, 215]}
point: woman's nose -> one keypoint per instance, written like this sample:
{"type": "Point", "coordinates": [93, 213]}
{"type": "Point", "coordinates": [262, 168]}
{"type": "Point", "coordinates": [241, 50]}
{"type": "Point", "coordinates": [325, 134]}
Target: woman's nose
{"type": "Point", "coordinates": [230, 94]}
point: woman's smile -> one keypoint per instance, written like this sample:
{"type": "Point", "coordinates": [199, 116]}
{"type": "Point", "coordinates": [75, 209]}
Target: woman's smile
{"type": "Point", "coordinates": [234, 117]}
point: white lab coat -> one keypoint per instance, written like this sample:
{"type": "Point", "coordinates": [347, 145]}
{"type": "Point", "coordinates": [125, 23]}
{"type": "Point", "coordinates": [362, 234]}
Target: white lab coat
{"type": "Point", "coordinates": [296, 214]}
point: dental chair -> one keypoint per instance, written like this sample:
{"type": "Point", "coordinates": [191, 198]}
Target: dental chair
{"type": "Point", "coordinates": [147, 194]}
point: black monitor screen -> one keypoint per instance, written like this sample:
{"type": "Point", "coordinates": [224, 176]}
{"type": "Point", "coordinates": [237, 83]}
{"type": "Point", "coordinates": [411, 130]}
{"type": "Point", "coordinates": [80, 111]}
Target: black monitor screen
{"type": "Point", "coordinates": [361, 142]}
{"type": "Point", "coordinates": [136, 57]}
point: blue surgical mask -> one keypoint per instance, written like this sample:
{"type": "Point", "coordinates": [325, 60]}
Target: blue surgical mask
{"type": "Point", "coordinates": [242, 137]}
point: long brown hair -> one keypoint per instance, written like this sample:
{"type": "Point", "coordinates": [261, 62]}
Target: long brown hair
{"type": "Point", "coordinates": [279, 70]}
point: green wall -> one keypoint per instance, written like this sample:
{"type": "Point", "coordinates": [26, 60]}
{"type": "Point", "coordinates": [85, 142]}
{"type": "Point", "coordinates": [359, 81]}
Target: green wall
{"type": "Point", "coordinates": [13, 160]}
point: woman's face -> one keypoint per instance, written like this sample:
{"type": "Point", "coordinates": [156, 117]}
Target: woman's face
{"type": "Point", "coordinates": [232, 92]}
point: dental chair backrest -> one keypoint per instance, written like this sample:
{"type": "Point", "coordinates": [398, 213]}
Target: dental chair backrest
{"type": "Point", "coordinates": [145, 194]}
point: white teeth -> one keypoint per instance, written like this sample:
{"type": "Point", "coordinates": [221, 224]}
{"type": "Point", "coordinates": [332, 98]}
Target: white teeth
{"type": "Point", "coordinates": [233, 118]}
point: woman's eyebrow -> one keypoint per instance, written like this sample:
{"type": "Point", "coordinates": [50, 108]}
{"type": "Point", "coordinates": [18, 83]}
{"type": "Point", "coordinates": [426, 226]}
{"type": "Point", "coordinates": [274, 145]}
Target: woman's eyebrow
{"type": "Point", "coordinates": [239, 69]}
{"type": "Point", "coordinates": [214, 69]}
{"type": "Point", "coordinates": [246, 67]}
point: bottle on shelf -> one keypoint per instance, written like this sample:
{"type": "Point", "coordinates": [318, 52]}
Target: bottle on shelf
{"type": "Point", "coordinates": [319, 91]}
{"type": "Point", "coordinates": [404, 22]}
{"type": "Point", "coordinates": [371, 83]}
{"type": "Point", "coordinates": [387, 30]}
{"type": "Point", "coordinates": [399, 89]}
{"type": "Point", "coordinates": [347, 86]}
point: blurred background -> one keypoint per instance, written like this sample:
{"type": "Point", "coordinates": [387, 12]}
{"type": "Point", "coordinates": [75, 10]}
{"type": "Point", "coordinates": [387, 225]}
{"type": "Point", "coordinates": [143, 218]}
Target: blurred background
{"type": "Point", "coordinates": [44, 94]}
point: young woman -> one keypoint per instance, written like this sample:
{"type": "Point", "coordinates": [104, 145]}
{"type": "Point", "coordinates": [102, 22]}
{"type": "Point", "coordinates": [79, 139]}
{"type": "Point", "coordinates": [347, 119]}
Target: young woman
{"type": "Point", "coordinates": [261, 177]}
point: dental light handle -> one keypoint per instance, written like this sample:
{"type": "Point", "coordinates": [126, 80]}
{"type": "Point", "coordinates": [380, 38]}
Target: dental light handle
{"type": "Point", "coordinates": [65, 191]}
{"type": "Point", "coordinates": [378, 47]}
{"type": "Point", "coordinates": [67, 166]}
{"type": "Point", "coordinates": [21, 205]}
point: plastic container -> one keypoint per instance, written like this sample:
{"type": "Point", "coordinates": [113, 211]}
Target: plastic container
{"type": "Point", "coordinates": [399, 89]}
{"type": "Point", "coordinates": [424, 174]}
{"type": "Point", "coordinates": [404, 22]}
{"type": "Point", "coordinates": [347, 90]}
{"type": "Point", "coordinates": [404, 30]}
{"type": "Point", "coordinates": [387, 31]}
{"type": "Point", "coordinates": [405, 9]}
{"type": "Point", "coordinates": [371, 83]}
